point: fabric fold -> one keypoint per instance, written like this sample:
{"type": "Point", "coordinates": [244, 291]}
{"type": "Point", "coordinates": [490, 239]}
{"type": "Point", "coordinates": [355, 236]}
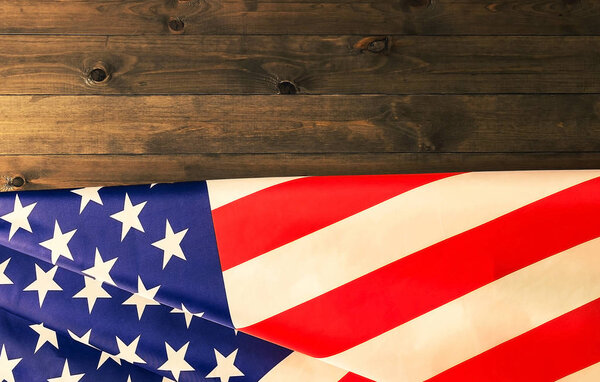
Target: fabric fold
{"type": "Point", "coordinates": [331, 279]}
{"type": "Point", "coordinates": [78, 269]}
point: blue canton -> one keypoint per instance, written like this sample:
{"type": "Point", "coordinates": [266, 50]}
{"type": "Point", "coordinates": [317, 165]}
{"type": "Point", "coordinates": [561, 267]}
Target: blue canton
{"type": "Point", "coordinates": [118, 284]}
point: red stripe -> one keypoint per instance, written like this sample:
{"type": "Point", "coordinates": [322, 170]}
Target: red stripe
{"type": "Point", "coordinates": [551, 351]}
{"type": "Point", "coordinates": [416, 284]}
{"type": "Point", "coordinates": [270, 218]}
{"type": "Point", "coordinates": [351, 377]}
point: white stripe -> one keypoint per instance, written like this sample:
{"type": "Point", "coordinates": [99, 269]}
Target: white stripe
{"type": "Point", "coordinates": [225, 191]}
{"type": "Point", "coordinates": [480, 320]}
{"type": "Point", "coordinates": [589, 374]}
{"type": "Point", "coordinates": [298, 367]}
{"type": "Point", "coordinates": [348, 249]}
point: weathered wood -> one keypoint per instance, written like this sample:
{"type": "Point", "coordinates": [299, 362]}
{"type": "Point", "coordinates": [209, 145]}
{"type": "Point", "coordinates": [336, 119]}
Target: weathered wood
{"type": "Point", "coordinates": [106, 92]}
{"type": "Point", "coordinates": [181, 64]}
{"type": "Point", "coordinates": [425, 17]}
{"type": "Point", "coordinates": [65, 171]}
{"type": "Point", "coordinates": [316, 124]}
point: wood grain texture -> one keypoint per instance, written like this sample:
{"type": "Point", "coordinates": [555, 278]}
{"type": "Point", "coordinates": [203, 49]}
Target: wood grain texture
{"type": "Point", "coordinates": [317, 124]}
{"type": "Point", "coordinates": [315, 64]}
{"type": "Point", "coordinates": [66, 171]}
{"type": "Point", "coordinates": [106, 92]}
{"type": "Point", "coordinates": [424, 17]}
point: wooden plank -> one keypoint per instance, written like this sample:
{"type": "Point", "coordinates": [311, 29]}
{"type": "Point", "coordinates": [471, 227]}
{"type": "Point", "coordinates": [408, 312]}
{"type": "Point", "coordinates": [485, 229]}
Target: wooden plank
{"type": "Point", "coordinates": [426, 17]}
{"type": "Point", "coordinates": [66, 171]}
{"type": "Point", "coordinates": [314, 64]}
{"type": "Point", "coordinates": [315, 124]}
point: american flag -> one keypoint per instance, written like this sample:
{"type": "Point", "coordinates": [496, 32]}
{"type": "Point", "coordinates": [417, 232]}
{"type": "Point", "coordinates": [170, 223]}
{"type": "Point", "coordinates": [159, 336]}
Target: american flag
{"type": "Point", "coordinates": [427, 277]}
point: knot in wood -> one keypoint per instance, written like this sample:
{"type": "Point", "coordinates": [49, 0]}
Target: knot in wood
{"type": "Point", "coordinates": [98, 74]}
{"type": "Point", "coordinates": [377, 46]}
{"type": "Point", "coordinates": [287, 87]}
{"type": "Point", "coordinates": [176, 25]}
{"type": "Point", "coordinates": [12, 183]}
{"type": "Point", "coordinates": [373, 44]}
{"type": "Point", "coordinates": [16, 182]}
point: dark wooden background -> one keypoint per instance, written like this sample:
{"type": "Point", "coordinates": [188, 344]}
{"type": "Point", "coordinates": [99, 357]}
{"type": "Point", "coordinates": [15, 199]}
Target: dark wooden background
{"type": "Point", "coordinates": [137, 91]}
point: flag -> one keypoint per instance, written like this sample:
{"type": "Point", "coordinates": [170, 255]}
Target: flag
{"type": "Point", "coordinates": [488, 276]}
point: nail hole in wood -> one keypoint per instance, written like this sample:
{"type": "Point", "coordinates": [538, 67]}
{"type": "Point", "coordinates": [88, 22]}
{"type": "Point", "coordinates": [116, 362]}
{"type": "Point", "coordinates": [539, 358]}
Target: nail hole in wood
{"type": "Point", "coordinates": [287, 87]}
{"type": "Point", "coordinates": [17, 182]}
{"type": "Point", "coordinates": [176, 25]}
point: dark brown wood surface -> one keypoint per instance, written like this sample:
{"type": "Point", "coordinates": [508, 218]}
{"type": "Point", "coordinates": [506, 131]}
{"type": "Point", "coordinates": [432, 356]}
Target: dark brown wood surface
{"type": "Point", "coordinates": [314, 64]}
{"type": "Point", "coordinates": [65, 171]}
{"type": "Point", "coordinates": [300, 124]}
{"type": "Point", "coordinates": [139, 91]}
{"type": "Point", "coordinates": [424, 17]}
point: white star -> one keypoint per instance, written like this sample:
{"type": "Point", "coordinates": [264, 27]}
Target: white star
{"type": "Point", "coordinates": [45, 335]}
{"type": "Point", "coordinates": [66, 375]}
{"type": "Point", "coordinates": [127, 352]}
{"type": "Point", "coordinates": [85, 339]}
{"type": "Point", "coordinates": [18, 218]}
{"type": "Point", "coordinates": [58, 245]}
{"type": "Point", "coordinates": [175, 361]}
{"type": "Point", "coordinates": [101, 269]}
{"type": "Point", "coordinates": [44, 283]}
{"type": "Point", "coordinates": [129, 216]}
{"type": "Point", "coordinates": [142, 298]}
{"type": "Point", "coordinates": [7, 366]}
{"type": "Point", "coordinates": [88, 194]}
{"type": "Point", "coordinates": [105, 356]}
{"type": "Point", "coordinates": [225, 368]}
{"type": "Point", "coordinates": [187, 314]}
{"type": "Point", "coordinates": [4, 280]}
{"type": "Point", "coordinates": [171, 244]}
{"type": "Point", "coordinates": [92, 291]}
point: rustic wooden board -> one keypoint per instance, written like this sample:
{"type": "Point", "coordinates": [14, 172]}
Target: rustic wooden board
{"type": "Point", "coordinates": [386, 86]}
{"type": "Point", "coordinates": [315, 64]}
{"type": "Point", "coordinates": [316, 124]}
{"type": "Point", "coordinates": [425, 17]}
{"type": "Point", "coordinates": [66, 171]}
